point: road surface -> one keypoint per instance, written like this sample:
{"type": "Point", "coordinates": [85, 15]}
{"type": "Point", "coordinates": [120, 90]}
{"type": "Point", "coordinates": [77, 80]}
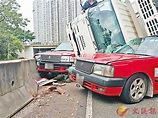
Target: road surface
{"type": "Point", "coordinates": [81, 103]}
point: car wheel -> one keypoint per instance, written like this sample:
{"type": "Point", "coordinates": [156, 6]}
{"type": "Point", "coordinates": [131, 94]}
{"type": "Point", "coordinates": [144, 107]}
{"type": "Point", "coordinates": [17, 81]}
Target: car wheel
{"type": "Point", "coordinates": [43, 74]}
{"type": "Point", "coordinates": [135, 89]}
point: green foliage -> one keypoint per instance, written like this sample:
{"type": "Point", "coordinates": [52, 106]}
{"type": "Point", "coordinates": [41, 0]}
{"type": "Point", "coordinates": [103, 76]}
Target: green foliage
{"type": "Point", "coordinates": [12, 32]}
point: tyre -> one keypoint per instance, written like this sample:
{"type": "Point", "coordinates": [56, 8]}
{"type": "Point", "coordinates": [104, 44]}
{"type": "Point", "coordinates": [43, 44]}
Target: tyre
{"type": "Point", "coordinates": [51, 75]}
{"type": "Point", "coordinates": [135, 89]}
{"type": "Point", "coordinates": [43, 74]}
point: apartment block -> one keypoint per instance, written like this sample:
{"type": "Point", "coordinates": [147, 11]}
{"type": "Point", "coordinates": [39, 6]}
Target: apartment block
{"type": "Point", "coordinates": [51, 17]}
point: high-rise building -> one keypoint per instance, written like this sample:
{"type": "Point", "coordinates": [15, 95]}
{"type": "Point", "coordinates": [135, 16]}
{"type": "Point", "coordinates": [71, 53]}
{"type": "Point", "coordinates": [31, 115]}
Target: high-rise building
{"type": "Point", "coordinates": [55, 20]}
{"type": "Point", "coordinates": [40, 20]}
{"type": "Point", "coordinates": [51, 17]}
{"type": "Point", "coordinates": [68, 10]}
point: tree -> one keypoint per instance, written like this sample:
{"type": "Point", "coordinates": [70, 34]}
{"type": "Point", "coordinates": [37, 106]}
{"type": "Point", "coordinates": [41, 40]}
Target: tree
{"type": "Point", "coordinates": [12, 30]}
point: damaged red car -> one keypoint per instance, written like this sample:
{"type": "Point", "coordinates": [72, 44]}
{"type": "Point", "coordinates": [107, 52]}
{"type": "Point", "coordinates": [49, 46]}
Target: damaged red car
{"type": "Point", "coordinates": [50, 64]}
{"type": "Point", "coordinates": [131, 73]}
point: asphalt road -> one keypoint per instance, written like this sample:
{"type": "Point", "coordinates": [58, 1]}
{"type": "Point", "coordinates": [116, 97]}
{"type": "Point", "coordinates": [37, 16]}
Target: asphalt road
{"type": "Point", "coordinates": [72, 104]}
{"type": "Point", "coordinates": [106, 107]}
{"type": "Point", "coordinates": [81, 103]}
{"type": "Point", "coordinates": [99, 106]}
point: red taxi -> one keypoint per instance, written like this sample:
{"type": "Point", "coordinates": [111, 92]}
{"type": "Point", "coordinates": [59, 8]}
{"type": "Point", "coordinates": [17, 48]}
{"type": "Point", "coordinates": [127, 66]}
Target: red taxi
{"type": "Point", "coordinates": [56, 62]}
{"type": "Point", "coordinates": [131, 73]}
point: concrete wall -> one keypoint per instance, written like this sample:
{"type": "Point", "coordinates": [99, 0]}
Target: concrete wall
{"type": "Point", "coordinates": [17, 85]}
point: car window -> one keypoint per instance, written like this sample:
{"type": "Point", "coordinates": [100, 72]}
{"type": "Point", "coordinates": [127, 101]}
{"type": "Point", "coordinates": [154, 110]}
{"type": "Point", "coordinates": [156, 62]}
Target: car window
{"type": "Point", "coordinates": [148, 46]}
{"type": "Point", "coordinates": [130, 47]}
{"type": "Point", "coordinates": [65, 46]}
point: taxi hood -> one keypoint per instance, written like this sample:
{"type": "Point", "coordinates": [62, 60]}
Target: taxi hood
{"type": "Point", "coordinates": [106, 58]}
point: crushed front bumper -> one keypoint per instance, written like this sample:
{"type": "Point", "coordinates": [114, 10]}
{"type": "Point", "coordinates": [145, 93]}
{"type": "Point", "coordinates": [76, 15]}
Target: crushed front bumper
{"type": "Point", "coordinates": [57, 67]}
{"type": "Point", "coordinates": [103, 85]}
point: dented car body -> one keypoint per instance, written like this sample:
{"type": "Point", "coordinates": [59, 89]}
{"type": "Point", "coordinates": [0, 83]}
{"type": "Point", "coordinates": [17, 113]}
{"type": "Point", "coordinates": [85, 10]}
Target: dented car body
{"type": "Point", "coordinates": [131, 73]}
{"type": "Point", "coordinates": [57, 61]}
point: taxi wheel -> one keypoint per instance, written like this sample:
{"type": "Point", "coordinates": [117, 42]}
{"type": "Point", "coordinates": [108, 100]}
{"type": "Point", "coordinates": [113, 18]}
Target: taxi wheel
{"type": "Point", "coordinates": [135, 89]}
{"type": "Point", "coordinates": [43, 74]}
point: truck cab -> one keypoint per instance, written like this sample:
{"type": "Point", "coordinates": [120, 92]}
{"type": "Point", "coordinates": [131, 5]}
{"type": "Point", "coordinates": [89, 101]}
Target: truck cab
{"type": "Point", "coordinates": [103, 27]}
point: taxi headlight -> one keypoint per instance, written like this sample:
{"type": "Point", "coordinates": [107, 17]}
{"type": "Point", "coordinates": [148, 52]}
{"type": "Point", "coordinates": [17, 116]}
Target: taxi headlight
{"type": "Point", "coordinates": [72, 59]}
{"type": "Point", "coordinates": [65, 59]}
{"type": "Point", "coordinates": [103, 70]}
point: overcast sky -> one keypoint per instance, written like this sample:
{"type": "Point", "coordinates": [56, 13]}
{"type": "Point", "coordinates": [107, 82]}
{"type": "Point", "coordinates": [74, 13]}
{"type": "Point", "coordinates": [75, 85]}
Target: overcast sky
{"type": "Point", "coordinates": [26, 10]}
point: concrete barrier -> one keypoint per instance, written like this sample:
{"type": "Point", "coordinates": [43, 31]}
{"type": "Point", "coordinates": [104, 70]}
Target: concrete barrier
{"type": "Point", "coordinates": [17, 85]}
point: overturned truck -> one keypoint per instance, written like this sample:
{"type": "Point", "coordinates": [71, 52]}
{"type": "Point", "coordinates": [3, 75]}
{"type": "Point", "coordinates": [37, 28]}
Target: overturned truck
{"type": "Point", "coordinates": [103, 28]}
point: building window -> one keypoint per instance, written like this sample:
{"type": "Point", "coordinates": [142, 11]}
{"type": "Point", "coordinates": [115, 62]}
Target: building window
{"type": "Point", "coordinates": [146, 8]}
{"type": "Point", "coordinates": [152, 26]}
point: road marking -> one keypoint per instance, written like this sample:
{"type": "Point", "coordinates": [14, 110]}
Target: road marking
{"type": "Point", "coordinates": [89, 105]}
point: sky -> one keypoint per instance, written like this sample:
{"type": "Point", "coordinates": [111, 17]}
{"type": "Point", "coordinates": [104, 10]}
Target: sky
{"type": "Point", "coordinates": [26, 10]}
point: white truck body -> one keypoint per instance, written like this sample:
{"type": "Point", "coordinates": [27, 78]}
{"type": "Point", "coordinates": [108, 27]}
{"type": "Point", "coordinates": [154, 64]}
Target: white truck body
{"type": "Point", "coordinates": [116, 20]}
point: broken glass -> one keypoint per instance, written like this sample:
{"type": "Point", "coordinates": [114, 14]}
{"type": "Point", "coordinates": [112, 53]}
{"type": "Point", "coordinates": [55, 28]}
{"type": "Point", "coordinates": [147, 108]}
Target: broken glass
{"type": "Point", "coordinates": [105, 26]}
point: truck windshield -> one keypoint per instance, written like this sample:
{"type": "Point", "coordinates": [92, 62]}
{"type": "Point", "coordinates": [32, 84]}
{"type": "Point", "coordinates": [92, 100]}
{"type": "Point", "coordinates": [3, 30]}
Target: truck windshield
{"type": "Point", "coordinates": [105, 26]}
{"type": "Point", "coordinates": [65, 46]}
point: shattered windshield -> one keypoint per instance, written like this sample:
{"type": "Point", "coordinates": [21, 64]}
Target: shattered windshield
{"type": "Point", "coordinates": [105, 25]}
{"type": "Point", "coordinates": [143, 46]}
{"type": "Point", "coordinates": [130, 47]}
{"type": "Point", "coordinates": [65, 46]}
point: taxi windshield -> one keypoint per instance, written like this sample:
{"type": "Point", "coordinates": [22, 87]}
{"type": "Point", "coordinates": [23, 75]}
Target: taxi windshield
{"type": "Point", "coordinates": [65, 46]}
{"type": "Point", "coordinates": [142, 46]}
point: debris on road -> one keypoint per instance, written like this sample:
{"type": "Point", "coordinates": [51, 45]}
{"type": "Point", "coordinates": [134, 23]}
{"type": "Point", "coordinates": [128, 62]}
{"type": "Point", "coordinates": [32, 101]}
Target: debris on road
{"type": "Point", "coordinates": [48, 86]}
{"type": "Point", "coordinates": [60, 90]}
{"type": "Point", "coordinates": [45, 90]}
{"type": "Point", "coordinates": [52, 88]}
{"type": "Point", "coordinates": [63, 77]}
{"type": "Point", "coordinates": [59, 84]}
{"type": "Point", "coordinates": [56, 89]}
{"type": "Point", "coordinates": [68, 80]}
{"type": "Point", "coordinates": [45, 81]}
{"type": "Point", "coordinates": [59, 77]}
